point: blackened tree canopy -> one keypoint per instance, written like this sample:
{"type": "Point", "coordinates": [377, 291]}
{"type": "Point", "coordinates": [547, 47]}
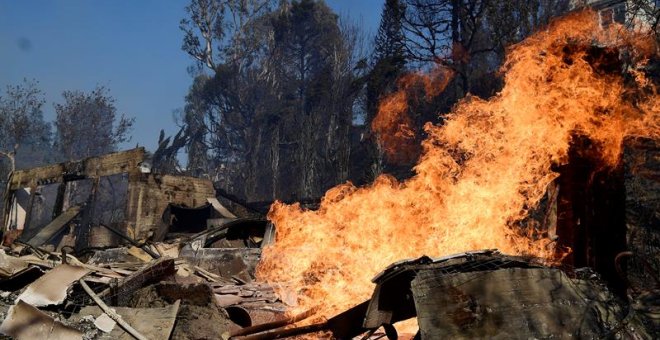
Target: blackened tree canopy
{"type": "Point", "coordinates": [274, 116]}
{"type": "Point", "coordinates": [389, 56]}
{"type": "Point", "coordinates": [24, 135]}
{"type": "Point", "coordinates": [87, 124]}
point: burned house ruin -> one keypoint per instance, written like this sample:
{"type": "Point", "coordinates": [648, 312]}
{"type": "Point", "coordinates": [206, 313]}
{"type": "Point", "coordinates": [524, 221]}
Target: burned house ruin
{"type": "Point", "coordinates": [102, 194]}
{"type": "Point", "coordinates": [114, 200]}
{"type": "Point", "coordinates": [81, 203]}
{"type": "Point", "coordinates": [105, 248]}
{"type": "Point", "coordinates": [167, 255]}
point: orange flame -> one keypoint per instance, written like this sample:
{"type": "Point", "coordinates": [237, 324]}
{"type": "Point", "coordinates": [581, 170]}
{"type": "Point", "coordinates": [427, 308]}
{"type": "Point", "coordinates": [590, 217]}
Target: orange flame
{"type": "Point", "coordinates": [392, 123]}
{"type": "Point", "coordinates": [479, 173]}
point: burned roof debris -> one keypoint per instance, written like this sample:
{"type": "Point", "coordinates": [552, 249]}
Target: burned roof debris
{"type": "Point", "coordinates": [490, 295]}
{"type": "Point", "coordinates": [100, 249]}
{"type": "Point", "coordinates": [161, 250]}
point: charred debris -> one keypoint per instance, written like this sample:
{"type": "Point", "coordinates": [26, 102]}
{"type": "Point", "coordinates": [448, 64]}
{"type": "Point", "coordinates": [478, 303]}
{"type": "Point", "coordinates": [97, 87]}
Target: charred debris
{"type": "Point", "coordinates": [157, 248]}
{"type": "Point", "coordinates": [104, 248]}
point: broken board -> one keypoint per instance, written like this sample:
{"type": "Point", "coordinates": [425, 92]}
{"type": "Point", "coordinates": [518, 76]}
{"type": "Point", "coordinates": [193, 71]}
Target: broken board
{"type": "Point", "coordinates": [153, 323]}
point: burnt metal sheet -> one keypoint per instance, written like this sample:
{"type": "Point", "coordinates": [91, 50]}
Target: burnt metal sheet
{"type": "Point", "coordinates": [220, 208]}
{"type": "Point", "coordinates": [52, 288]}
{"type": "Point", "coordinates": [10, 265]}
{"type": "Point", "coordinates": [495, 296]}
{"type": "Point", "coordinates": [25, 322]}
{"type": "Point", "coordinates": [392, 299]}
{"type": "Point", "coordinates": [518, 302]}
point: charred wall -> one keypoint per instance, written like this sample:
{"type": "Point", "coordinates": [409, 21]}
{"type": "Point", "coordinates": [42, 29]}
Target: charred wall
{"type": "Point", "coordinates": [95, 195]}
{"type": "Point", "coordinates": [590, 210]}
{"type": "Point", "coordinates": [605, 212]}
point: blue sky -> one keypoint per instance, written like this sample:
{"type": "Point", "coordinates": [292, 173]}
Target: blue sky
{"type": "Point", "coordinates": [131, 47]}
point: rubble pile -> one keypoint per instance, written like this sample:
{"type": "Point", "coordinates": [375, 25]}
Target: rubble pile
{"type": "Point", "coordinates": [118, 295]}
{"type": "Point", "coordinates": [104, 249]}
{"type": "Point", "coordinates": [48, 295]}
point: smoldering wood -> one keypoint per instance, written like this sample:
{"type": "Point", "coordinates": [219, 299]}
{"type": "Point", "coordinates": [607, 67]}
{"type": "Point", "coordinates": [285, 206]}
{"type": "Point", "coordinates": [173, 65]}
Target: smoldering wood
{"type": "Point", "coordinates": [55, 226]}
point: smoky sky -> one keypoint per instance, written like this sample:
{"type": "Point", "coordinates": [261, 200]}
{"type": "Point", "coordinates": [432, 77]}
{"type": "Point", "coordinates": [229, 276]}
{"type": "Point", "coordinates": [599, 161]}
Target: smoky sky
{"type": "Point", "coordinates": [24, 44]}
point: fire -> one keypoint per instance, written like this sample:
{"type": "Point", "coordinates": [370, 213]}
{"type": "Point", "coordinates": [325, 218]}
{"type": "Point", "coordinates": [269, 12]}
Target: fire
{"type": "Point", "coordinates": [479, 173]}
{"type": "Point", "coordinates": [393, 125]}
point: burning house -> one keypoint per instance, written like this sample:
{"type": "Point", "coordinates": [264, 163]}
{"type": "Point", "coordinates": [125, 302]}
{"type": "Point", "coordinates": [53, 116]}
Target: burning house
{"type": "Point", "coordinates": [559, 172]}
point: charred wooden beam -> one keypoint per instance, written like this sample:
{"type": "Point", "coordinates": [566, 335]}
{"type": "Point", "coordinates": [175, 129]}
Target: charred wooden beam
{"type": "Point", "coordinates": [275, 324]}
{"type": "Point", "coordinates": [590, 210]}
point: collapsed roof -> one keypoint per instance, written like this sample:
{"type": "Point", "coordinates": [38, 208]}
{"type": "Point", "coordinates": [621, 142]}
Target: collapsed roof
{"type": "Point", "coordinates": [165, 254]}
